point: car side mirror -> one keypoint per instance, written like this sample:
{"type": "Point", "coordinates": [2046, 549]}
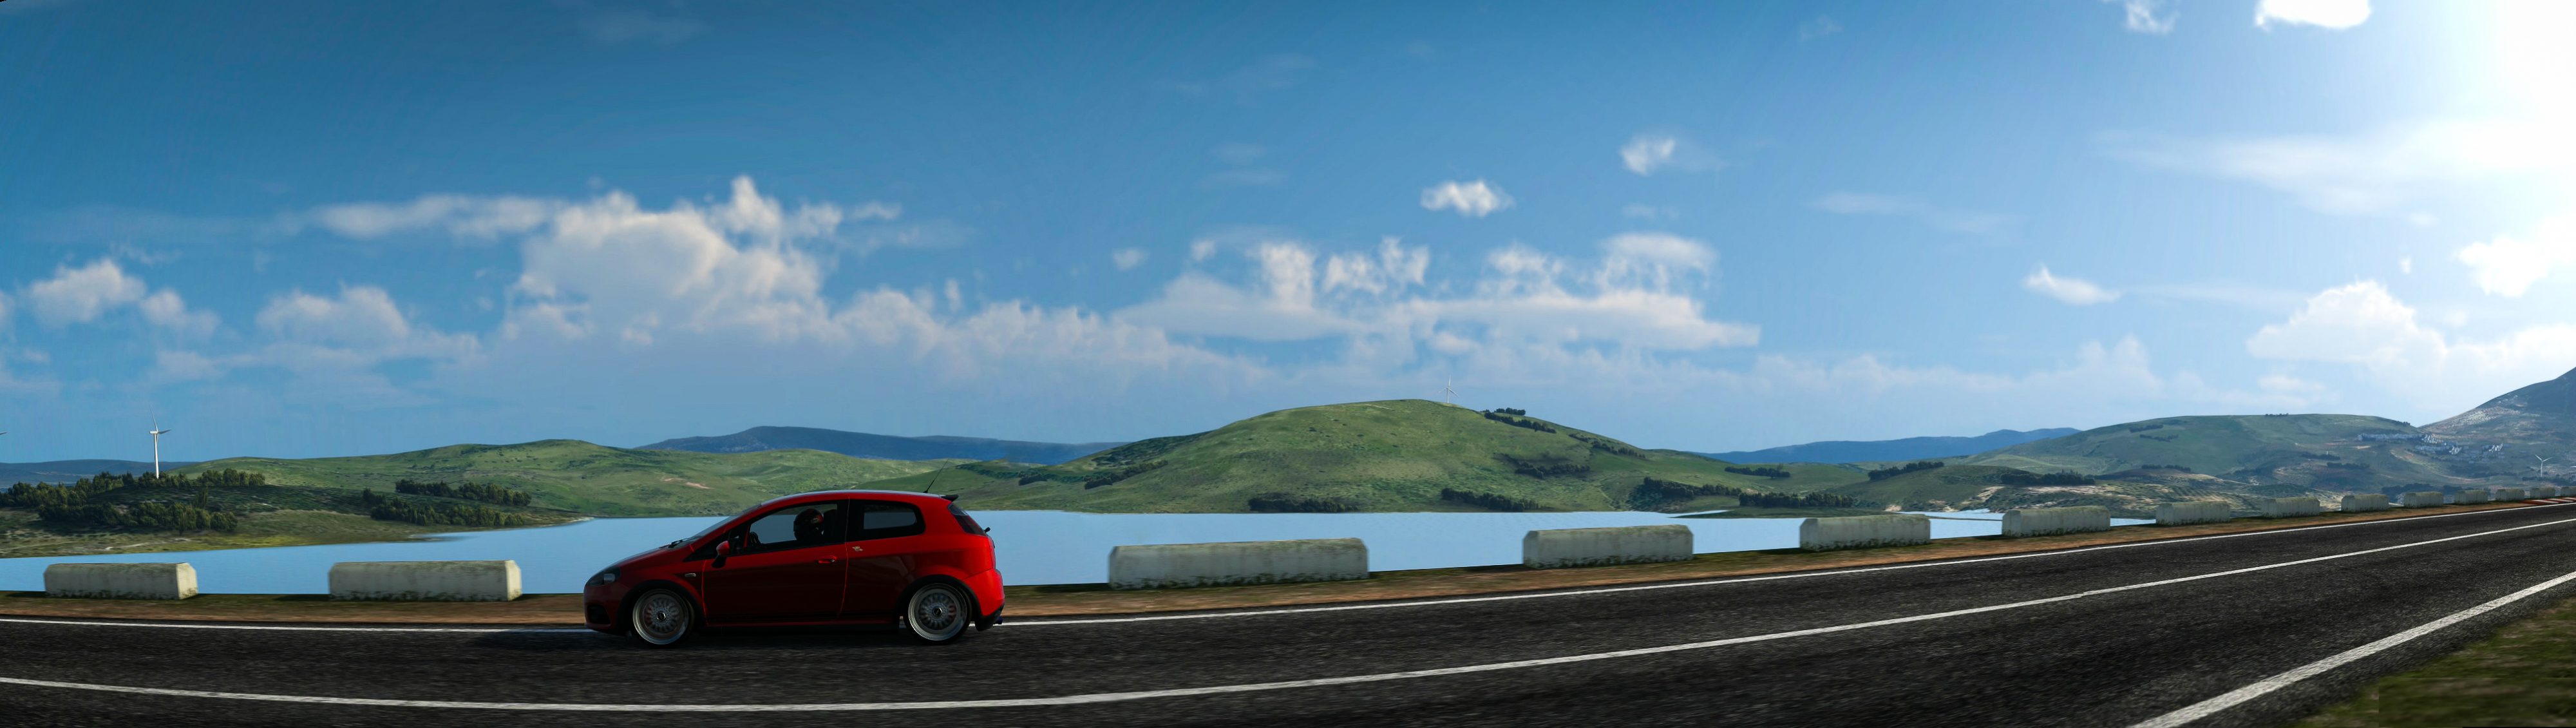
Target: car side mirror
{"type": "Point", "coordinates": [723, 549]}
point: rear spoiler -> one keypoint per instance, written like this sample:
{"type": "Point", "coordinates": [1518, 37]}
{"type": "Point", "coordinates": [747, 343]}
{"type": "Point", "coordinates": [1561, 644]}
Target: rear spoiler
{"type": "Point", "coordinates": [952, 497]}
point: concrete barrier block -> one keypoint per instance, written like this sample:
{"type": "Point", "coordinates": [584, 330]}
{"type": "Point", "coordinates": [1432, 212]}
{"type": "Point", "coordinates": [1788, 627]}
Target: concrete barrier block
{"type": "Point", "coordinates": [2469, 496]}
{"type": "Point", "coordinates": [2364, 502]}
{"type": "Point", "coordinates": [425, 581]}
{"type": "Point", "coordinates": [2419, 499]}
{"type": "Point", "coordinates": [1556, 548]}
{"type": "Point", "coordinates": [2188, 512]}
{"type": "Point", "coordinates": [2545, 491]}
{"type": "Point", "coordinates": [2289, 507]}
{"type": "Point", "coordinates": [2046, 521]}
{"type": "Point", "coordinates": [121, 581]}
{"type": "Point", "coordinates": [1243, 562]}
{"type": "Point", "coordinates": [1853, 532]}
{"type": "Point", "coordinates": [2511, 494]}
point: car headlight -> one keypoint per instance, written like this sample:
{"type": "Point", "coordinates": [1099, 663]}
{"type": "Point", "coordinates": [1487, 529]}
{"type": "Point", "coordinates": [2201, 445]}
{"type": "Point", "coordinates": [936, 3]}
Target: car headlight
{"type": "Point", "coordinates": [605, 577]}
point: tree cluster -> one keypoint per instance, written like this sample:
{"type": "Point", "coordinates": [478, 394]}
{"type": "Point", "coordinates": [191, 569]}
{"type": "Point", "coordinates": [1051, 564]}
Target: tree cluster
{"type": "Point", "coordinates": [2146, 427]}
{"type": "Point", "coordinates": [2164, 467]}
{"type": "Point", "coordinates": [1885, 473]}
{"type": "Point", "coordinates": [72, 505]}
{"type": "Point", "coordinates": [435, 513]}
{"type": "Point", "coordinates": [147, 516]}
{"type": "Point", "coordinates": [2062, 477]}
{"type": "Point", "coordinates": [1292, 503]}
{"type": "Point", "coordinates": [1797, 500]}
{"type": "Point", "coordinates": [1508, 411]}
{"type": "Point", "coordinates": [1521, 423]}
{"type": "Point", "coordinates": [1759, 471]}
{"type": "Point", "coordinates": [1544, 466]}
{"type": "Point", "coordinates": [1605, 445]}
{"type": "Point", "coordinates": [1488, 501]}
{"type": "Point", "coordinates": [493, 494]}
{"type": "Point", "coordinates": [1107, 477]}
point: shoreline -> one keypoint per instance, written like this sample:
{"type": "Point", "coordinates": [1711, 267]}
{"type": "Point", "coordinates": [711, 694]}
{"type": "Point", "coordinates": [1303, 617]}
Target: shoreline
{"type": "Point", "coordinates": [558, 610]}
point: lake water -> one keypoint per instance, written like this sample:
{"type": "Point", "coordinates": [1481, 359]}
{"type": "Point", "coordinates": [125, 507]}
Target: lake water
{"type": "Point", "coordinates": [1033, 547]}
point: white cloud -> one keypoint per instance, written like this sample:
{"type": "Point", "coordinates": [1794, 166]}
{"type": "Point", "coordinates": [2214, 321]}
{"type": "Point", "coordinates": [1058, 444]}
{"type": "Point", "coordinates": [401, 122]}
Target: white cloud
{"type": "Point", "coordinates": [2141, 16]}
{"type": "Point", "coordinates": [2328, 14]}
{"type": "Point", "coordinates": [1644, 153]}
{"type": "Point", "coordinates": [479, 218]}
{"type": "Point", "coordinates": [2373, 173]}
{"type": "Point", "coordinates": [2075, 291]}
{"type": "Point", "coordinates": [2406, 264]}
{"type": "Point", "coordinates": [4, 311]}
{"type": "Point", "coordinates": [489, 218]}
{"type": "Point", "coordinates": [165, 309]}
{"type": "Point", "coordinates": [1635, 297]}
{"type": "Point", "coordinates": [1818, 27]}
{"type": "Point", "coordinates": [81, 295]}
{"type": "Point", "coordinates": [1201, 250]}
{"type": "Point", "coordinates": [1271, 73]}
{"type": "Point", "coordinates": [1651, 152]}
{"type": "Point", "coordinates": [1470, 199]}
{"type": "Point", "coordinates": [1641, 211]}
{"type": "Point", "coordinates": [1127, 258]}
{"type": "Point", "coordinates": [2361, 324]}
{"type": "Point", "coordinates": [2508, 266]}
{"type": "Point", "coordinates": [1962, 221]}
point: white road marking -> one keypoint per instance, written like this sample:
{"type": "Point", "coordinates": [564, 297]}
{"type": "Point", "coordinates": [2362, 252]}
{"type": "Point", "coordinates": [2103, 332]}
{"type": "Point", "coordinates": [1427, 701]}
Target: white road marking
{"type": "Point", "coordinates": [1092, 698]}
{"type": "Point", "coordinates": [1730, 580]}
{"type": "Point", "coordinates": [1382, 605]}
{"type": "Point", "coordinates": [2232, 698]}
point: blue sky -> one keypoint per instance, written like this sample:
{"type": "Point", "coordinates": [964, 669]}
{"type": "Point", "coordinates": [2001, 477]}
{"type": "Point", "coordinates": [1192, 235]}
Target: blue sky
{"type": "Point", "coordinates": [306, 229]}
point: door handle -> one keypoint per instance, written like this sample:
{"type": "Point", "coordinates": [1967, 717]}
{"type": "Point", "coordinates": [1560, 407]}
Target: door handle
{"type": "Point", "coordinates": [828, 560]}
{"type": "Point", "coordinates": [856, 549]}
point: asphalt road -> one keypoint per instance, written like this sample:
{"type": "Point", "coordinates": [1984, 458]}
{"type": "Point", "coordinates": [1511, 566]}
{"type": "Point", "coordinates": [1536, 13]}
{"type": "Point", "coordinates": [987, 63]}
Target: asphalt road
{"type": "Point", "coordinates": [2107, 636]}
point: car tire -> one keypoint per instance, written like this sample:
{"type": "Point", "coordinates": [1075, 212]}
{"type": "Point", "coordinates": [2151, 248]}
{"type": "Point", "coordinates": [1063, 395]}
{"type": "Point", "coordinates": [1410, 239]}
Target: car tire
{"type": "Point", "coordinates": [661, 618]}
{"type": "Point", "coordinates": [938, 612]}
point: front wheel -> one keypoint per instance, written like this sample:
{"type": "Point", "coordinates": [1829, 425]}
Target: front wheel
{"type": "Point", "coordinates": [661, 618]}
{"type": "Point", "coordinates": [937, 612]}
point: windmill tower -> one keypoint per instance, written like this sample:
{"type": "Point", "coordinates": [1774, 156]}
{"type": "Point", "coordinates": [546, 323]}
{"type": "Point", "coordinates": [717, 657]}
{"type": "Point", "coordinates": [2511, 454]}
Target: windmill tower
{"type": "Point", "coordinates": [1449, 392]}
{"type": "Point", "coordinates": [2543, 467]}
{"type": "Point", "coordinates": [157, 432]}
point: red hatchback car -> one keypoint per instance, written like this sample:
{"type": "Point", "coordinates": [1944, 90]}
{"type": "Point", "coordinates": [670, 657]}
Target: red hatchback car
{"type": "Point", "coordinates": [913, 560]}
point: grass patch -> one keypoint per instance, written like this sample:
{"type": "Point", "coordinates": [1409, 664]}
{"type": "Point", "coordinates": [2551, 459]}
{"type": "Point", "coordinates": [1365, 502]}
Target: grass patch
{"type": "Point", "coordinates": [2524, 674]}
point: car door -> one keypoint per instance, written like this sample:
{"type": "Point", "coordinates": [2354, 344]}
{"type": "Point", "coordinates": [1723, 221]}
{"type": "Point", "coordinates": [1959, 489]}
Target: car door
{"type": "Point", "coordinates": [883, 557]}
{"type": "Point", "coordinates": [785, 566]}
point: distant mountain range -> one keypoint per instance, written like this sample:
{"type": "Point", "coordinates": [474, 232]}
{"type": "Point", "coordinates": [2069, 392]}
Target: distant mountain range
{"type": "Point", "coordinates": [1911, 448]}
{"type": "Point", "coordinates": [886, 447]}
{"type": "Point", "coordinates": [65, 471]}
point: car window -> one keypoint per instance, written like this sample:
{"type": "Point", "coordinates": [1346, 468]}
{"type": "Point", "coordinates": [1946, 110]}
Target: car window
{"type": "Point", "coordinates": [797, 526]}
{"type": "Point", "coordinates": [887, 519]}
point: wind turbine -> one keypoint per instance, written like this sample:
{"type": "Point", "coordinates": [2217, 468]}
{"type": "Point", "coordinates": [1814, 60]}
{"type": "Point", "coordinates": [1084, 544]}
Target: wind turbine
{"type": "Point", "coordinates": [2543, 467]}
{"type": "Point", "coordinates": [157, 432]}
{"type": "Point", "coordinates": [1449, 392]}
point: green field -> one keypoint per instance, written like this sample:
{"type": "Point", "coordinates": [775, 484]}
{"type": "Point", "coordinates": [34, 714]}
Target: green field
{"type": "Point", "coordinates": [579, 477]}
{"type": "Point", "coordinates": [1395, 455]}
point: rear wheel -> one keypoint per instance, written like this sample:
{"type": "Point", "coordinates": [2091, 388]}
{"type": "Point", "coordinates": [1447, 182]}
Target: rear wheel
{"type": "Point", "coordinates": [938, 612]}
{"type": "Point", "coordinates": [661, 618]}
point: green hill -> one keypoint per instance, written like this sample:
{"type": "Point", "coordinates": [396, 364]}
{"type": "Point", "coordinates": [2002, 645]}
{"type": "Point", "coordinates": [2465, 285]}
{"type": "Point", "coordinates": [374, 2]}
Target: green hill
{"type": "Point", "coordinates": [1397, 455]}
{"type": "Point", "coordinates": [591, 479]}
{"type": "Point", "coordinates": [2257, 453]}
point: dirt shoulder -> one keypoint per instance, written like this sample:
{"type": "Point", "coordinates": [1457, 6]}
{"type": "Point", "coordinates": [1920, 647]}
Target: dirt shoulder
{"type": "Point", "coordinates": [1082, 599]}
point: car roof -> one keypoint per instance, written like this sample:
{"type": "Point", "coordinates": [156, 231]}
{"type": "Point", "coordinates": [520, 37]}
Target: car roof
{"type": "Point", "coordinates": [916, 498]}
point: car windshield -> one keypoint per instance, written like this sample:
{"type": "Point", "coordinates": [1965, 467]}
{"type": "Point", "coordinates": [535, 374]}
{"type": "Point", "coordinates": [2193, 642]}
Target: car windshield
{"type": "Point", "coordinates": [710, 529]}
